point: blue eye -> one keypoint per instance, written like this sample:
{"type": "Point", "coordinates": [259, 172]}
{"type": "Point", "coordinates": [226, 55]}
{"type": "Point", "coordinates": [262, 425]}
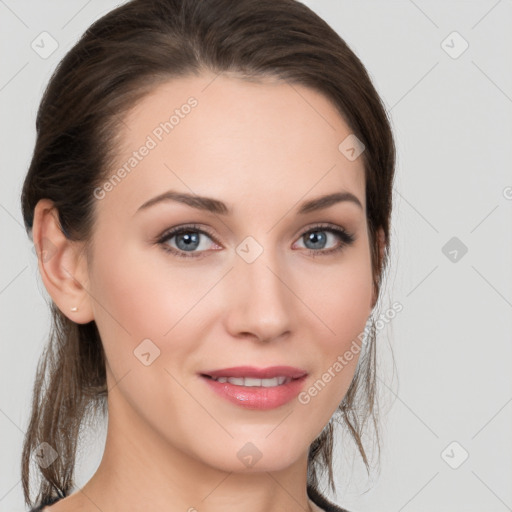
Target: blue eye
{"type": "Point", "coordinates": [188, 240]}
{"type": "Point", "coordinates": [312, 236]}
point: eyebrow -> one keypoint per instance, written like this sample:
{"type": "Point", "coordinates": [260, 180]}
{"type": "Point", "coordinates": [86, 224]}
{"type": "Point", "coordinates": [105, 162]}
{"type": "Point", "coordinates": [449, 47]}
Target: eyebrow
{"type": "Point", "coordinates": [218, 207]}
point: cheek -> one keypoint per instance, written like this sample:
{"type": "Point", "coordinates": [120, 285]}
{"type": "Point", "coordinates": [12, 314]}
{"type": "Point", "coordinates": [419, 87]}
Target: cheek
{"type": "Point", "coordinates": [140, 313]}
{"type": "Point", "coordinates": [342, 298]}
{"type": "Point", "coordinates": [136, 293]}
{"type": "Point", "coordinates": [349, 305]}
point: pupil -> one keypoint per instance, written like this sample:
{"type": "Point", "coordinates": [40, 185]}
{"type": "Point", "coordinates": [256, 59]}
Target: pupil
{"type": "Point", "coordinates": [189, 239]}
{"type": "Point", "coordinates": [318, 240]}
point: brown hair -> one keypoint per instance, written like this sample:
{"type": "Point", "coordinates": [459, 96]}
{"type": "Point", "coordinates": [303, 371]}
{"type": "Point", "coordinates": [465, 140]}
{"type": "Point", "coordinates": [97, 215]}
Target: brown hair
{"type": "Point", "coordinates": [117, 61]}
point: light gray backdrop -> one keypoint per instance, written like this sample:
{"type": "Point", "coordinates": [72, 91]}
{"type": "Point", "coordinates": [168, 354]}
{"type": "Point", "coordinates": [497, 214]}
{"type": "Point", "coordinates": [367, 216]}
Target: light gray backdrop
{"type": "Point", "coordinates": [444, 70]}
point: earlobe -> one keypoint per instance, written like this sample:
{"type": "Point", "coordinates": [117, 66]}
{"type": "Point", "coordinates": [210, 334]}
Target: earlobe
{"type": "Point", "coordinates": [62, 264]}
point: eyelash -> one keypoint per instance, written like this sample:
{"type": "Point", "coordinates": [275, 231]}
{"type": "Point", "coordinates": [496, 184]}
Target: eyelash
{"type": "Point", "coordinates": [346, 240]}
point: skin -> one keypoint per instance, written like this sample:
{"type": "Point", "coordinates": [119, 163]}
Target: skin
{"type": "Point", "coordinates": [262, 148]}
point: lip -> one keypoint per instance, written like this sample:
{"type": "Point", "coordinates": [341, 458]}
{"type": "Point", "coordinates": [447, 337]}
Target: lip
{"type": "Point", "coordinates": [257, 373]}
{"type": "Point", "coordinates": [257, 397]}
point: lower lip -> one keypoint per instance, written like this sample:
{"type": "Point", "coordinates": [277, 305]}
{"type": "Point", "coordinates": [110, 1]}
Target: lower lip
{"type": "Point", "coordinates": [257, 397]}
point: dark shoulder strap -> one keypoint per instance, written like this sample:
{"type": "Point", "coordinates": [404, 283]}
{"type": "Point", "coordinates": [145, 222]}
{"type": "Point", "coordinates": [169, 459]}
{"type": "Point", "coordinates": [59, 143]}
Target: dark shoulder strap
{"type": "Point", "coordinates": [45, 503]}
{"type": "Point", "coordinates": [313, 493]}
{"type": "Point", "coordinates": [322, 501]}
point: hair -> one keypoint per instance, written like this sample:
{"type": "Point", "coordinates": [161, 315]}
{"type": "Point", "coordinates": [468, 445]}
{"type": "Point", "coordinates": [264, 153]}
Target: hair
{"type": "Point", "coordinates": [118, 60]}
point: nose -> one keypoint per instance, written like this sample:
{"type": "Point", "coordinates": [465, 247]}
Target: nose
{"type": "Point", "coordinates": [259, 299]}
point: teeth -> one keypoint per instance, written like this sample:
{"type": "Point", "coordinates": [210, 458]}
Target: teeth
{"type": "Point", "coordinates": [251, 382]}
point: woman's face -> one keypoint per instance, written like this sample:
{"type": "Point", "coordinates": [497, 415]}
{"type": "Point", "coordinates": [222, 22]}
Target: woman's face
{"type": "Point", "coordinates": [242, 285]}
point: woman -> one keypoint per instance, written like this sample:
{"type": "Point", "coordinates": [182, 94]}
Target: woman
{"type": "Point", "coordinates": [210, 196]}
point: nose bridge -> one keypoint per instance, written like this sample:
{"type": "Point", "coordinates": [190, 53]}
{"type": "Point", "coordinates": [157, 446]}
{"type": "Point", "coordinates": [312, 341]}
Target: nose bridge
{"type": "Point", "coordinates": [261, 303]}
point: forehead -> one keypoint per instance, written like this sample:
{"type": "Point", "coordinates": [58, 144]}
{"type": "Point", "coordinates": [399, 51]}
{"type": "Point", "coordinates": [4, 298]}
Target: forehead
{"type": "Point", "coordinates": [241, 141]}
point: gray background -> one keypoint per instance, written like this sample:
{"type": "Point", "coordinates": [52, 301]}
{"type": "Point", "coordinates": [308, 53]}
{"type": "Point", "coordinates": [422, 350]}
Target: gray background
{"type": "Point", "coordinates": [452, 118]}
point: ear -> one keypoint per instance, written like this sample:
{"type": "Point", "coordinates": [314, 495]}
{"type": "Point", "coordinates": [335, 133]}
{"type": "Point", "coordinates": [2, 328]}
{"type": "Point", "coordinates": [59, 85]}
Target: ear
{"type": "Point", "coordinates": [381, 242]}
{"type": "Point", "coordinates": [62, 264]}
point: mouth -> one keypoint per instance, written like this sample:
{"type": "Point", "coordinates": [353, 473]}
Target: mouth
{"type": "Point", "coordinates": [252, 382]}
{"type": "Point", "coordinates": [253, 388]}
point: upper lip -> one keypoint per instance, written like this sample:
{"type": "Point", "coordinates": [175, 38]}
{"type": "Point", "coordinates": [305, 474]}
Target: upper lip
{"type": "Point", "coordinates": [257, 373]}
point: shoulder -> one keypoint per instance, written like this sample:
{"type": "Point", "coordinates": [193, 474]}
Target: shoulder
{"type": "Point", "coordinates": [322, 501]}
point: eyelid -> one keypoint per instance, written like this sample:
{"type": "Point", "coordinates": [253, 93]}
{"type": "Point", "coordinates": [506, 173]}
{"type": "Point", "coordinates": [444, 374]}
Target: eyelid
{"type": "Point", "coordinates": [324, 225]}
{"type": "Point", "coordinates": [187, 227]}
